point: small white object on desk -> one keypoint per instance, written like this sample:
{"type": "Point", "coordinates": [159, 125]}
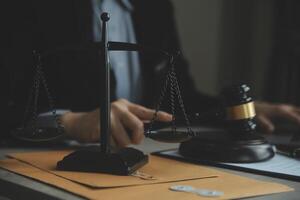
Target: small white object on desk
{"type": "Point", "coordinates": [198, 191]}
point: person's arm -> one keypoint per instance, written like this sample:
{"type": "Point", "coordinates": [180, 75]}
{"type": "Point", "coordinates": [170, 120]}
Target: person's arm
{"type": "Point", "coordinates": [127, 123]}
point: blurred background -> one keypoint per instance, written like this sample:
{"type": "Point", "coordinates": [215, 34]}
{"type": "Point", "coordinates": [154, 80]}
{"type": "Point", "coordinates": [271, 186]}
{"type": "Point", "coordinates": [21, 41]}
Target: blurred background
{"type": "Point", "coordinates": [252, 41]}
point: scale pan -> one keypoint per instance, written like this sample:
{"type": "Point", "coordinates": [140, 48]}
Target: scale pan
{"type": "Point", "coordinates": [40, 135]}
{"type": "Point", "coordinates": [168, 136]}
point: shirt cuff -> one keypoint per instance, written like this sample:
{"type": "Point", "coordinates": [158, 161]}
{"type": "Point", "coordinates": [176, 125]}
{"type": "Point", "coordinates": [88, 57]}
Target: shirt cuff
{"type": "Point", "coordinates": [47, 119]}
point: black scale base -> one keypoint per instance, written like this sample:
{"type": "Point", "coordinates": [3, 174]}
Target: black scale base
{"type": "Point", "coordinates": [249, 148]}
{"type": "Point", "coordinates": [123, 162]}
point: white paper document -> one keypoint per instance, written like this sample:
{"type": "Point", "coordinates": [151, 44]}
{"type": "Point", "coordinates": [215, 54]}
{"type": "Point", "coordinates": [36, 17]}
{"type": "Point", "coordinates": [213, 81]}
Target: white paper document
{"type": "Point", "coordinates": [279, 166]}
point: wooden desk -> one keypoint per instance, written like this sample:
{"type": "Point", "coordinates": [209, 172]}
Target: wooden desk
{"type": "Point", "coordinates": [13, 186]}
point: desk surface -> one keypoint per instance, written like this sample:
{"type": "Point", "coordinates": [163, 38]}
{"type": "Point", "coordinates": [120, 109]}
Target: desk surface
{"type": "Point", "coordinates": [25, 187]}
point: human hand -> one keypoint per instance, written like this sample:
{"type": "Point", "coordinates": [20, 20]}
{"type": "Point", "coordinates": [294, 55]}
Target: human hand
{"type": "Point", "coordinates": [268, 111]}
{"type": "Point", "coordinates": [127, 123]}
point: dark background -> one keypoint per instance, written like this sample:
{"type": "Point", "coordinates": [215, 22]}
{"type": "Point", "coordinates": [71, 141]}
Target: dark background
{"type": "Point", "coordinates": [253, 41]}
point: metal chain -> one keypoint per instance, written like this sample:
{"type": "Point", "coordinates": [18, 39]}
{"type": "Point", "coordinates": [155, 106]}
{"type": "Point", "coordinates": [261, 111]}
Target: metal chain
{"type": "Point", "coordinates": [172, 100]}
{"type": "Point", "coordinates": [49, 96]}
{"type": "Point", "coordinates": [35, 101]}
{"type": "Point", "coordinates": [158, 105]}
{"type": "Point", "coordinates": [171, 78]}
{"type": "Point", "coordinates": [34, 95]}
{"type": "Point", "coordinates": [30, 96]}
{"type": "Point", "coordinates": [181, 103]}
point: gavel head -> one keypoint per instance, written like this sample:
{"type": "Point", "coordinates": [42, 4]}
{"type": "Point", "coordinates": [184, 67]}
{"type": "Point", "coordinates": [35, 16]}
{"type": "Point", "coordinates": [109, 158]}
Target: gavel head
{"type": "Point", "coordinates": [239, 109]}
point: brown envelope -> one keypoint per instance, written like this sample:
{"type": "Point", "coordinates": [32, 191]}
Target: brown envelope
{"type": "Point", "coordinates": [162, 169]}
{"type": "Point", "coordinates": [233, 186]}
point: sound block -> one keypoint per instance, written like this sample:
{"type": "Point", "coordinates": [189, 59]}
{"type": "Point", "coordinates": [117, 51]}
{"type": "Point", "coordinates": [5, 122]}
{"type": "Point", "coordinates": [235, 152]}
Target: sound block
{"type": "Point", "coordinates": [124, 162]}
{"type": "Point", "coordinates": [247, 148]}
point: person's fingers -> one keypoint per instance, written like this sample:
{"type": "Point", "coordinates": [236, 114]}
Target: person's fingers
{"type": "Point", "coordinates": [141, 112]}
{"type": "Point", "coordinates": [135, 126]}
{"type": "Point", "coordinates": [289, 112]}
{"type": "Point", "coordinates": [119, 133]}
{"type": "Point", "coordinates": [265, 123]}
{"type": "Point", "coordinates": [164, 117]}
{"type": "Point", "coordinates": [147, 114]}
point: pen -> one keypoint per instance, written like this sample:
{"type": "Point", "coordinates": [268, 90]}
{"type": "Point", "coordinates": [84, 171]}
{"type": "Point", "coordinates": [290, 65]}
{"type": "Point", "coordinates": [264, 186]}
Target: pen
{"type": "Point", "coordinates": [287, 150]}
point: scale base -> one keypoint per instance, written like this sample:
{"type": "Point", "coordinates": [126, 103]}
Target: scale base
{"type": "Point", "coordinates": [249, 148]}
{"type": "Point", "coordinates": [124, 162]}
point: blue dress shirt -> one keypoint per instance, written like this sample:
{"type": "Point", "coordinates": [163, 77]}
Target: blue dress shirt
{"type": "Point", "coordinates": [125, 64]}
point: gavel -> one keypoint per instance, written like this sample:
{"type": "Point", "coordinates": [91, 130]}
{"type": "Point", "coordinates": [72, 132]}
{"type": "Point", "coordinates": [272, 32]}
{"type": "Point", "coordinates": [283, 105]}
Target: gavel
{"type": "Point", "coordinates": [240, 142]}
